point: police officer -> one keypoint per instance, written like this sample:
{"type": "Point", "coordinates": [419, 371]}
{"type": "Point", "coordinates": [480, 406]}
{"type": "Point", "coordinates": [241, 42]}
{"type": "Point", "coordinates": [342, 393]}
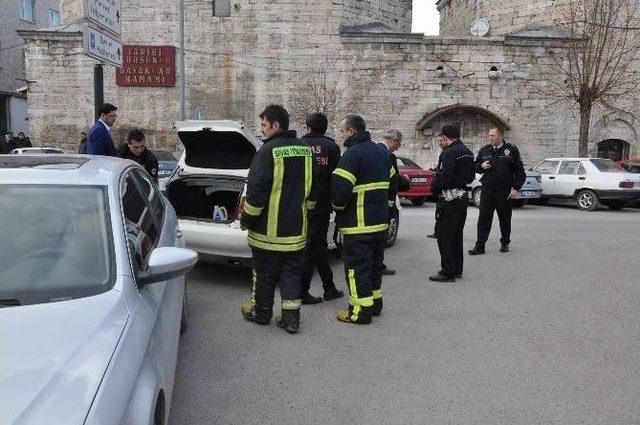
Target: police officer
{"type": "Point", "coordinates": [361, 193]}
{"type": "Point", "coordinates": [136, 150]}
{"type": "Point", "coordinates": [455, 172]}
{"type": "Point", "coordinates": [327, 154]}
{"type": "Point", "coordinates": [502, 177]}
{"type": "Point", "coordinates": [279, 193]}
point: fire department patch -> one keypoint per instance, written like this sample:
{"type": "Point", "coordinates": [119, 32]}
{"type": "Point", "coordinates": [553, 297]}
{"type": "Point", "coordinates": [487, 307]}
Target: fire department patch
{"type": "Point", "coordinates": [507, 152]}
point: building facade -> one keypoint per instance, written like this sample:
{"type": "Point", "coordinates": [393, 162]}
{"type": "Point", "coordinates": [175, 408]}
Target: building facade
{"type": "Point", "coordinates": [339, 56]}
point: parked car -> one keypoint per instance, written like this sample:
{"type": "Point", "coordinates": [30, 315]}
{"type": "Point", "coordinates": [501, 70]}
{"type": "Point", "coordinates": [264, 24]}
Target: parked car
{"type": "Point", "coordinates": [531, 189]}
{"type": "Point", "coordinates": [166, 164]}
{"type": "Point", "coordinates": [36, 151]}
{"type": "Point", "coordinates": [631, 165]}
{"type": "Point", "coordinates": [589, 181]}
{"type": "Point", "coordinates": [92, 270]}
{"type": "Point", "coordinates": [421, 181]}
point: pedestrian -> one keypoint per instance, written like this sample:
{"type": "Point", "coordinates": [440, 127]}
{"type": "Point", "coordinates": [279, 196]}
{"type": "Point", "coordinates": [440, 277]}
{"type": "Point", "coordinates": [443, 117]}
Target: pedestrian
{"type": "Point", "coordinates": [136, 150]}
{"type": "Point", "coordinates": [455, 172]}
{"type": "Point", "coordinates": [392, 142]}
{"type": "Point", "coordinates": [361, 193]}
{"type": "Point", "coordinates": [82, 148]}
{"type": "Point", "coordinates": [280, 190]}
{"type": "Point", "coordinates": [440, 140]}
{"type": "Point", "coordinates": [99, 141]}
{"type": "Point", "coordinates": [503, 175]}
{"type": "Point", "coordinates": [22, 141]}
{"type": "Point", "coordinates": [327, 154]}
{"type": "Point", "coordinates": [9, 143]}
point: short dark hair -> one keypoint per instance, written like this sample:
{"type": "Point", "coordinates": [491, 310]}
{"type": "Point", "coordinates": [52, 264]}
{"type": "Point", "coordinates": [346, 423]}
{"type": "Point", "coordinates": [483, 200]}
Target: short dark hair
{"type": "Point", "coordinates": [107, 108]}
{"type": "Point", "coordinates": [135, 135]}
{"type": "Point", "coordinates": [498, 129]}
{"type": "Point", "coordinates": [273, 113]}
{"type": "Point", "coordinates": [356, 122]}
{"type": "Point", "coordinates": [450, 131]}
{"type": "Point", "coordinates": [317, 122]}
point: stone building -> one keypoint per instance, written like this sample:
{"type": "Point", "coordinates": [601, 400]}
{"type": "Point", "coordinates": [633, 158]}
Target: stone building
{"type": "Point", "coordinates": [340, 56]}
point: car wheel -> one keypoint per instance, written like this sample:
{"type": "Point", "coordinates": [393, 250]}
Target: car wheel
{"type": "Point", "coordinates": [587, 200]}
{"type": "Point", "coordinates": [418, 202]}
{"type": "Point", "coordinates": [518, 203]}
{"type": "Point", "coordinates": [476, 195]}
{"type": "Point", "coordinates": [184, 318]}
{"type": "Point", "coordinates": [392, 232]}
{"type": "Point", "coordinates": [615, 205]}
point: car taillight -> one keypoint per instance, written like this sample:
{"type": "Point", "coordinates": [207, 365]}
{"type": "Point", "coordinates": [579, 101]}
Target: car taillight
{"type": "Point", "coordinates": [626, 185]}
{"type": "Point", "coordinates": [240, 209]}
{"type": "Point", "coordinates": [539, 179]}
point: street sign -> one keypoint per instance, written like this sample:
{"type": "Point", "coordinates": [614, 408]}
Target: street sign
{"type": "Point", "coordinates": [102, 47]}
{"type": "Point", "coordinates": [105, 14]}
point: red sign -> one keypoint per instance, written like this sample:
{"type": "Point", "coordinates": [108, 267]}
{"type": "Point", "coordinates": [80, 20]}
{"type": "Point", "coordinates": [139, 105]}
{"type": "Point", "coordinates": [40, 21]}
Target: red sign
{"type": "Point", "coordinates": [147, 66]}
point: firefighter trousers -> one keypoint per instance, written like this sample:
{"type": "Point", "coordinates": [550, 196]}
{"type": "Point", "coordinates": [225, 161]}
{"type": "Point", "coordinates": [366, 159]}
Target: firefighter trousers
{"type": "Point", "coordinates": [317, 253]}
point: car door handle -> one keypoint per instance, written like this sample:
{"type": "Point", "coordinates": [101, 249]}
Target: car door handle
{"type": "Point", "coordinates": [178, 233]}
{"type": "Point", "coordinates": [552, 178]}
{"type": "Point", "coordinates": [582, 178]}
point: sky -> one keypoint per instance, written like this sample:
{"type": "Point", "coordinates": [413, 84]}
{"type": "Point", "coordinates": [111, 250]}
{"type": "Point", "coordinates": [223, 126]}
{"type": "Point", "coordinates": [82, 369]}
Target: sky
{"type": "Point", "coordinates": [425, 17]}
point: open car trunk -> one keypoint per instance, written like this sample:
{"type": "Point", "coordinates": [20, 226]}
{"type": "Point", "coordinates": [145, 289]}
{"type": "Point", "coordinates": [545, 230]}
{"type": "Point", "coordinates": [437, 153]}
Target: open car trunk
{"type": "Point", "coordinates": [206, 198]}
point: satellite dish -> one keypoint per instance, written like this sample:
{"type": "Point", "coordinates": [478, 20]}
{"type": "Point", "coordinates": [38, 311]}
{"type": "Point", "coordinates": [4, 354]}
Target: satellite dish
{"type": "Point", "coordinates": [480, 27]}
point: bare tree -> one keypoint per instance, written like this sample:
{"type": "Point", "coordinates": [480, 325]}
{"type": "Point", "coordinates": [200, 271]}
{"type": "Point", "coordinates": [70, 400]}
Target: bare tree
{"type": "Point", "coordinates": [314, 93]}
{"type": "Point", "coordinates": [599, 64]}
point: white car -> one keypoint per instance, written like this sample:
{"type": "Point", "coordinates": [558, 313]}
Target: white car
{"type": "Point", "coordinates": [590, 181]}
{"type": "Point", "coordinates": [36, 151]}
{"type": "Point", "coordinates": [531, 189]}
{"type": "Point", "coordinates": [93, 292]}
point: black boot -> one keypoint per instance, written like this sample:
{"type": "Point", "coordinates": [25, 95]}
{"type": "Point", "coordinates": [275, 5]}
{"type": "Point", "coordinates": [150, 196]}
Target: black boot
{"type": "Point", "coordinates": [307, 298]}
{"type": "Point", "coordinates": [289, 320]}
{"type": "Point", "coordinates": [477, 250]}
{"type": "Point", "coordinates": [364, 317]}
{"type": "Point", "coordinates": [376, 310]}
{"type": "Point", "coordinates": [262, 316]}
{"type": "Point", "coordinates": [442, 278]}
{"type": "Point", "coordinates": [504, 247]}
{"type": "Point", "coordinates": [332, 294]}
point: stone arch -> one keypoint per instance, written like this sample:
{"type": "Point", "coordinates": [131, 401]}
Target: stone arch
{"type": "Point", "coordinates": [474, 123]}
{"type": "Point", "coordinates": [614, 136]}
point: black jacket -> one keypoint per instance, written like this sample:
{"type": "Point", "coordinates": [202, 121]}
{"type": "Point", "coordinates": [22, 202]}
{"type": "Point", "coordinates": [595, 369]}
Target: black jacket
{"type": "Point", "coordinates": [455, 169]}
{"type": "Point", "coordinates": [327, 154]}
{"type": "Point", "coordinates": [148, 160]}
{"type": "Point", "coordinates": [506, 169]}
{"type": "Point", "coordinates": [403, 182]}
{"type": "Point", "coordinates": [22, 143]}
{"type": "Point", "coordinates": [280, 190]}
{"type": "Point", "coordinates": [363, 187]}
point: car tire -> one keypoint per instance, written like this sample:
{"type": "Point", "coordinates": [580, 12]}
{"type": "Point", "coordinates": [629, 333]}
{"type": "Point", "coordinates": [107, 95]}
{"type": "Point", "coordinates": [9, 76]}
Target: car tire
{"type": "Point", "coordinates": [614, 205]}
{"type": "Point", "coordinates": [476, 196]}
{"type": "Point", "coordinates": [418, 202]}
{"type": "Point", "coordinates": [587, 200]}
{"type": "Point", "coordinates": [518, 203]}
{"type": "Point", "coordinates": [184, 317]}
{"type": "Point", "coordinates": [392, 233]}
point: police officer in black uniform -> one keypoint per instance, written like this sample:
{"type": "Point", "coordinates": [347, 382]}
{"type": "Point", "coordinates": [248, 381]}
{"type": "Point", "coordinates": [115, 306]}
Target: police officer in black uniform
{"type": "Point", "coordinates": [362, 190]}
{"type": "Point", "coordinates": [454, 174]}
{"type": "Point", "coordinates": [502, 177]}
{"type": "Point", "coordinates": [327, 154]}
{"type": "Point", "coordinates": [136, 150]}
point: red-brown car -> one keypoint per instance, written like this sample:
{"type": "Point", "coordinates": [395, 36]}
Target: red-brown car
{"type": "Point", "coordinates": [631, 165]}
{"type": "Point", "coordinates": [421, 181]}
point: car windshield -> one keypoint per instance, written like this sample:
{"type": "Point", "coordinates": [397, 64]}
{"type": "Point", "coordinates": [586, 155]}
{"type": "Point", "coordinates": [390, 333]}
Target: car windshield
{"type": "Point", "coordinates": [633, 167]}
{"type": "Point", "coordinates": [407, 163]}
{"type": "Point", "coordinates": [607, 166]}
{"type": "Point", "coordinates": [163, 155]}
{"type": "Point", "coordinates": [55, 244]}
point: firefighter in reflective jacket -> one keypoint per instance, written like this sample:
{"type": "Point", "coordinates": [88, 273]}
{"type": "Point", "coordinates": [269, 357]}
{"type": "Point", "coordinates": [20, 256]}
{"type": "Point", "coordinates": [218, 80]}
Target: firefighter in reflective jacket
{"type": "Point", "coordinates": [279, 194]}
{"type": "Point", "coordinates": [363, 188]}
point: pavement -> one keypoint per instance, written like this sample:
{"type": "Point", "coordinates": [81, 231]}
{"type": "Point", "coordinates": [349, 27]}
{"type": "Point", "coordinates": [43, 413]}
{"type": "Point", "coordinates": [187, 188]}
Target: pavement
{"type": "Point", "coordinates": [546, 334]}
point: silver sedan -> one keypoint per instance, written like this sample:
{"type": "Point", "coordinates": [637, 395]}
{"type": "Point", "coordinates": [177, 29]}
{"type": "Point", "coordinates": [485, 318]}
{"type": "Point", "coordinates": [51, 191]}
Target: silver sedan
{"type": "Point", "coordinates": [93, 292]}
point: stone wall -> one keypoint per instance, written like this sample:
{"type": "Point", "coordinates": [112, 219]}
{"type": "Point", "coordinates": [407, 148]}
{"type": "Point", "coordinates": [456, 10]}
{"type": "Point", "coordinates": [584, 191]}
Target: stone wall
{"type": "Point", "coordinates": [396, 14]}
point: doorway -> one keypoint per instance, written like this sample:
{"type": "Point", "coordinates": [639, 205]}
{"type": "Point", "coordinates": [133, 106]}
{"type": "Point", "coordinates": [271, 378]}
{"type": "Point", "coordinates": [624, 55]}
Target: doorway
{"type": "Point", "coordinates": [614, 149]}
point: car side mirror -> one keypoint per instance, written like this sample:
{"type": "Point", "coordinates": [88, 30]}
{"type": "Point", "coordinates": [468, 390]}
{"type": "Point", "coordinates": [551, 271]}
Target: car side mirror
{"type": "Point", "coordinates": [167, 263]}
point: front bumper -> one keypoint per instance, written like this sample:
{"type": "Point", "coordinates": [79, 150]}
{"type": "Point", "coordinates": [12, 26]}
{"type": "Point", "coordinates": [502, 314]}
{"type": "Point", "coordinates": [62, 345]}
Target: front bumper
{"type": "Point", "coordinates": [417, 192]}
{"type": "Point", "coordinates": [224, 241]}
{"type": "Point", "coordinates": [618, 195]}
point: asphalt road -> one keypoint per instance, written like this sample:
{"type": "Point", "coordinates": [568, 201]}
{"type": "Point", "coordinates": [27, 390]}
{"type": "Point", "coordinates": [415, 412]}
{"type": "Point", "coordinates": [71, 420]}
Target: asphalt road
{"type": "Point", "coordinates": [546, 334]}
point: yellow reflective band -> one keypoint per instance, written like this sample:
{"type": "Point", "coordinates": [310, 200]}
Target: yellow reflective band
{"type": "Point", "coordinates": [308, 180]}
{"type": "Point", "coordinates": [276, 192]}
{"type": "Point", "coordinates": [392, 203]}
{"type": "Point", "coordinates": [311, 205]}
{"type": "Point", "coordinates": [254, 280]}
{"type": "Point", "coordinates": [371, 186]}
{"type": "Point", "coordinates": [291, 304]}
{"type": "Point", "coordinates": [377, 294]}
{"type": "Point", "coordinates": [345, 175]}
{"type": "Point", "coordinates": [251, 210]}
{"type": "Point", "coordinates": [364, 229]}
{"type": "Point", "coordinates": [353, 291]}
{"type": "Point", "coordinates": [360, 209]}
{"type": "Point", "coordinates": [392, 172]}
{"type": "Point", "coordinates": [337, 208]}
{"type": "Point", "coordinates": [270, 246]}
{"type": "Point", "coordinates": [277, 239]}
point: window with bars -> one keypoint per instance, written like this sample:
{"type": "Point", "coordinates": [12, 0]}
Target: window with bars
{"type": "Point", "coordinates": [222, 8]}
{"type": "Point", "coordinates": [28, 10]}
{"type": "Point", "coordinates": [54, 18]}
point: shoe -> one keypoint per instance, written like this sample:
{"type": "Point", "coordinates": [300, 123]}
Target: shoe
{"type": "Point", "coordinates": [290, 324]}
{"type": "Point", "coordinates": [333, 294]}
{"type": "Point", "coordinates": [388, 272]}
{"type": "Point", "coordinates": [363, 319]}
{"type": "Point", "coordinates": [376, 310]}
{"type": "Point", "coordinates": [248, 312]}
{"type": "Point", "coordinates": [458, 275]}
{"type": "Point", "coordinates": [476, 251]}
{"type": "Point", "coordinates": [261, 316]}
{"type": "Point", "coordinates": [432, 236]}
{"type": "Point", "coordinates": [504, 247]}
{"type": "Point", "coordinates": [307, 298]}
{"type": "Point", "coordinates": [441, 278]}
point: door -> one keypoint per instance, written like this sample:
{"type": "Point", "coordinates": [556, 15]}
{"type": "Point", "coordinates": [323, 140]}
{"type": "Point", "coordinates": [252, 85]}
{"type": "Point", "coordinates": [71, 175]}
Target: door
{"type": "Point", "coordinates": [547, 170]}
{"type": "Point", "coordinates": [571, 176]}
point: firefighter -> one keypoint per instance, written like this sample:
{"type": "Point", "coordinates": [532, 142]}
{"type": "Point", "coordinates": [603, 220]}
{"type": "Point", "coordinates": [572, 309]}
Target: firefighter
{"type": "Point", "coordinates": [279, 194]}
{"type": "Point", "coordinates": [361, 194]}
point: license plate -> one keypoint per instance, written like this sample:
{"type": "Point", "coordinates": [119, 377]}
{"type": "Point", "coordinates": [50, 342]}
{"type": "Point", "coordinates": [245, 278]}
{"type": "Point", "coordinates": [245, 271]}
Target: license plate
{"type": "Point", "coordinates": [420, 180]}
{"type": "Point", "coordinates": [528, 194]}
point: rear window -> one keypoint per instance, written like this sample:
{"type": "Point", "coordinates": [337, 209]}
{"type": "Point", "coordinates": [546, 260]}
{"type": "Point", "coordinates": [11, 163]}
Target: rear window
{"type": "Point", "coordinates": [407, 163]}
{"type": "Point", "coordinates": [217, 149]}
{"type": "Point", "coordinates": [607, 166]}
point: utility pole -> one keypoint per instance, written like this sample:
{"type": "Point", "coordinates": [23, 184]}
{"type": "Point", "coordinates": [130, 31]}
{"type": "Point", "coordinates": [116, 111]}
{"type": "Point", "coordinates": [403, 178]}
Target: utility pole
{"type": "Point", "coordinates": [183, 77]}
{"type": "Point", "coordinates": [98, 88]}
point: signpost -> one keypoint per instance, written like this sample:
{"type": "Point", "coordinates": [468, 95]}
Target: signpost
{"type": "Point", "coordinates": [105, 14]}
{"type": "Point", "coordinates": [103, 47]}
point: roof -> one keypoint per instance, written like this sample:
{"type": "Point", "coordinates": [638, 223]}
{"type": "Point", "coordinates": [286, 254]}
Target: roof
{"type": "Point", "coordinates": [61, 169]}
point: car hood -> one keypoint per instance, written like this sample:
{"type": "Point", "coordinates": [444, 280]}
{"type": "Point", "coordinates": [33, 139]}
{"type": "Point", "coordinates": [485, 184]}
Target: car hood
{"type": "Point", "coordinates": [54, 356]}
